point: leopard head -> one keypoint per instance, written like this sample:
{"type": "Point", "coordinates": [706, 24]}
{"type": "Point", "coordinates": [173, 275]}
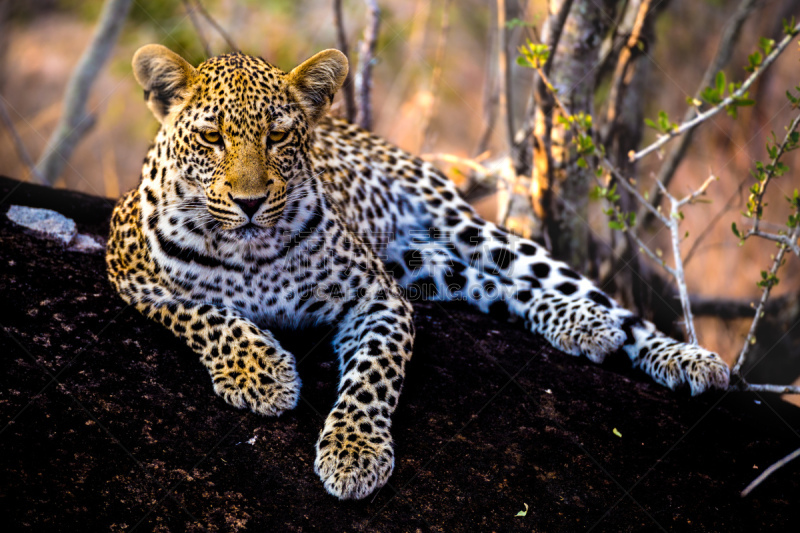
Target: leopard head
{"type": "Point", "coordinates": [236, 127]}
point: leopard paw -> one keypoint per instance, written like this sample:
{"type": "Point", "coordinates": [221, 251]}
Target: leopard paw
{"type": "Point", "coordinates": [352, 465]}
{"type": "Point", "coordinates": [672, 364]}
{"type": "Point", "coordinates": [577, 326]}
{"type": "Point", "coordinates": [268, 387]}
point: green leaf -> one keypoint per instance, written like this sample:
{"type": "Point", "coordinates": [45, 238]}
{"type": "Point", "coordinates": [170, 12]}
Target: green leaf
{"type": "Point", "coordinates": [523, 62]}
{"type": "Point", "coordinates": [518, 23]}
{"type": "Point", "coordinates": [617, 225]}
{"type": "Point", "coordinates": [735, 230]}
{"type": "Point", "coordinates": [523, 513]}
{"type": "Point", "coordinates": [788, 26]}
{"type": "Point", "coordinates": [768, 45]}
{"type": "Point", "coordinates": [720, 83]}
{"type": "Point", "coordinates": [616, 432]}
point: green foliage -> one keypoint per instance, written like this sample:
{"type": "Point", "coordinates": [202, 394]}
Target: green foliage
{"type": "Point", "coordinates": [519, 23]}
{"type": "Point", "coordinates": [716, 94]}
{"type": "Point", "coordinates": [789, 26]}
{"type": "Point", "coordinates": [663, 124]}
{"type": "Point", "coordinates": [533, 55]}
{"type": "Point", "coordinates": [768, 280]}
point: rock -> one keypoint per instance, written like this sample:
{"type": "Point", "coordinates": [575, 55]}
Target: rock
{"type": "Point", "coordinates": [49, 224]}
{"type": "Point", "coordinates": [45, 222]}
{"type": "Point", "coordinates": [109, 422]}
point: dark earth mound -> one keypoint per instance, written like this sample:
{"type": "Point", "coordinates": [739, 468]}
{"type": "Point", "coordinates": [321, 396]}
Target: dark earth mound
{"type": "Point", "coordinates": [109, 424]}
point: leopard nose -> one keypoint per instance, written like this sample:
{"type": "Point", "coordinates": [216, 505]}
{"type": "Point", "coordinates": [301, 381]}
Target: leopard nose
{"type": "Point", "coordinates": [249, 205]}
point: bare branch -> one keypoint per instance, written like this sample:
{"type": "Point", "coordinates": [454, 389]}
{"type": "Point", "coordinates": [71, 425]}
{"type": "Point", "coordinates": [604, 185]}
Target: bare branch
{"type": "Point", "coordinates": [366, 52]}
{"type": "Point", "coordinates": [190, 9]}
{"type": "Point", "coordinates": [768, 284]}
{"type": "Point", "coordinates": [730, 37]}
{"type": "Point", "coordinates": [769, 471]}
{"type": "Point", "coordinates": [705, 115]}
{"type": "Point", "coordinates": [216, 26]}
{"type": "Point", "coordinates": [504, 68]}
{"type": "Point", "coordinates": [341, 39]}
{"type": "Point", "coordinates": [437, 72]}
{"type": "Point", "coordinates": [22, 152]}
{"type": "Point", "coordinates": [74, 121]}
{"type": "Point", "coordinates": [780, 239]}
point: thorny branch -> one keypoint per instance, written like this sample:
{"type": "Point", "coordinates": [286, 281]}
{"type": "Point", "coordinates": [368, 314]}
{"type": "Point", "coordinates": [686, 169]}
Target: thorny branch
{"type": "Point", "coordinates": [776, 264]}
{"type": "Point", "coordinates": [366, 53]}
{"type": "Point", "coordinates": [341, 39]}
{"type": "Point", "coordinates": [731, 99]}
{"type": "Point", "coordinates": [729, 39]}
{"type": "Point", "coordinates": [786, 144]}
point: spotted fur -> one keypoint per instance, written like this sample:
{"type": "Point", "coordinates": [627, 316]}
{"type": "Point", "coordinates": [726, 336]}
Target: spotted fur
{"type": "Point", "coordinates": [257, 211]}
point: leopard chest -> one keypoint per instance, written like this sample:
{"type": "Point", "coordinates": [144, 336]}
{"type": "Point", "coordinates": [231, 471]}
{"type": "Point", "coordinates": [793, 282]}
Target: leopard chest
{"type": "Point", "coordinates": [305, 281]}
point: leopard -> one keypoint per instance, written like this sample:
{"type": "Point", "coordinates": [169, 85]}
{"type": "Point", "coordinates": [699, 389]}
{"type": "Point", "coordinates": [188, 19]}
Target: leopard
{"type": "Point", "coordinates": [257, 211]}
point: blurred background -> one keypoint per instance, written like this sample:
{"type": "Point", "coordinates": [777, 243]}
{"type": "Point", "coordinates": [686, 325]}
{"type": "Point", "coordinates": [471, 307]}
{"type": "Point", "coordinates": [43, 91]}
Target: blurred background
{"type": "Point", "coordinates": [446, 113]}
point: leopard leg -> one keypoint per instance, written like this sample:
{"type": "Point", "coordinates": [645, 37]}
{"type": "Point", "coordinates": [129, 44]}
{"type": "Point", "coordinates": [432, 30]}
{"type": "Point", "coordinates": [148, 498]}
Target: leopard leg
{"type": "Point", "coordinates": [355, 450]}
{"type": "Point", "coordinates": [566, 308]}
{"type": "Point", "coordinates": [248, 367]}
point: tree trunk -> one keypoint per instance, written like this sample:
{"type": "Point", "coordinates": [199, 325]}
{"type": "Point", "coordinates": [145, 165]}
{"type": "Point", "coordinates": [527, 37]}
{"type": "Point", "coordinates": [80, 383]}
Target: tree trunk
{"type": "Point", "coordinates": [560, 188]}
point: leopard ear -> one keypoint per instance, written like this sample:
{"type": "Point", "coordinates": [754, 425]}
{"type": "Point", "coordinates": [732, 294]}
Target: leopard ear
{"type": "Point", "coordinates": [165, 77]}
{"type": "Point", "coordinates": [316, 80]}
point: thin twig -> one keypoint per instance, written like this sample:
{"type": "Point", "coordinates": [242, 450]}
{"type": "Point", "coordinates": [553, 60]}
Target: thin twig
{"type": "Point", "coordinates": [366, 52]}
{"type": "Point", "coordinates": [738, 93]}
{"type": "Point", "coordinates": [786, 144]}
{"type": "Point", "coordinates": [652, 254]}
{"type": "Point", "coordinates": [74, 121]}
{"type": "Point", "coordinates": [539, 95]}
{"type": "Point", "coordinates": [768, 472]}
{"type": "Point", "coordinates": [730, 37]}
{"type": "Point", "coordinates": [190, 9]}
{"type": "Point", "coordinates": [740, 360]}
{"type": "Point", "coordinates": [608, 165]}
{"type": "Point", "coordinates": [201, 8]}
{"type": "Point", "coordinates": [22, 152]}
{"type": "Point", "coordinates": [713, 222]}
{"type": "Point", "coordinates": [766, 387]}
{"type": "Point", "coordinates": [341, 39]}
{"type": "Point", "coordinates": [436, 75]}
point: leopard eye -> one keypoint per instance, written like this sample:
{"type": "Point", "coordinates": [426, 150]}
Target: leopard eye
{"type": "Point", "coordinates": [276, 136]}
{"type": "Point", "coordinates": [211, 137]}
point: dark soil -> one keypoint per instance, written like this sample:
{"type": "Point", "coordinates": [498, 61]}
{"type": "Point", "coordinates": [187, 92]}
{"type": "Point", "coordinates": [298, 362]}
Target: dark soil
{"type": "Point", "coordinates": [109, 423]}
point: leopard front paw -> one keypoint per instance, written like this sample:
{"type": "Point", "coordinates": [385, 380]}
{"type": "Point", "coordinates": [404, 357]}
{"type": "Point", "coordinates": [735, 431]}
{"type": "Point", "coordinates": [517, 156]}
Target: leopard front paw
{"type": "Point", "coordinates": [352, 465]}
{"type": "Point", "coordinates": [702, 370]}
{"type": "Point", "coordinates": [266, 385]}
{"type": "Point", "coordinates": [672, 364]}
{"type": "Point", "coordinates": [577, 326]}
